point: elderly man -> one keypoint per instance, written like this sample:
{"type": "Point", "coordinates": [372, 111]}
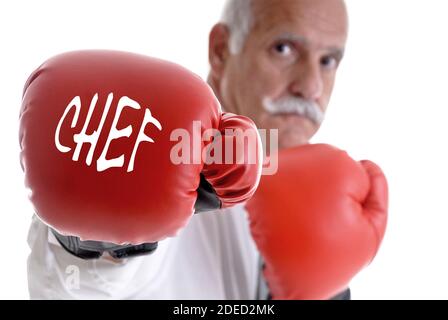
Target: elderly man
{"type": "Point", "coordinates": [274, 61]}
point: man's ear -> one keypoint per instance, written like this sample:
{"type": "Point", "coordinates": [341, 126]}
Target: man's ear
{"type": "Point", "coordinates": [218, 49]}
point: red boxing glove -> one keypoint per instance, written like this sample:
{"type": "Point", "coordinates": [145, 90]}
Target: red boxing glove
{"type": "Point", "coordinates": [101, 137]}
{"type": "Point", "coordinates": [318, 221]}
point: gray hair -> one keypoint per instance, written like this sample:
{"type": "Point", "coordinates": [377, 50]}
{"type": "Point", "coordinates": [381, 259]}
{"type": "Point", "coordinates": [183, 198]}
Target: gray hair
{"type": "Point", "coordinates": [238, 17]}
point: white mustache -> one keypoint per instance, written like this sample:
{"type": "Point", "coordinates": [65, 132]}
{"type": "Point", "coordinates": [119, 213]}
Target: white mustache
{"type": "Point", "coordinates": [294, 105]}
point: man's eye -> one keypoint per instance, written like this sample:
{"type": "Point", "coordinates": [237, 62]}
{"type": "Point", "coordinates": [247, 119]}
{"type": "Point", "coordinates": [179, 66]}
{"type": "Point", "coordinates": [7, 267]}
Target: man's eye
{"type": "Point", "coordinates": [329, 62]}
{"type": "Point", "coordinates": [283, 49]}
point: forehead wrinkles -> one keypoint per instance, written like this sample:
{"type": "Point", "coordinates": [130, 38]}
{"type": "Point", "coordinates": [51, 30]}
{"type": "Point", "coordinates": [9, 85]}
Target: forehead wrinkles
{"type": "Point", "coordinates": [326, 17]}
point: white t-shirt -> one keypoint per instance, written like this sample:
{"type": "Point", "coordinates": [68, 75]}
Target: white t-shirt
{"type": "Point", "coordinates": [213, 257]}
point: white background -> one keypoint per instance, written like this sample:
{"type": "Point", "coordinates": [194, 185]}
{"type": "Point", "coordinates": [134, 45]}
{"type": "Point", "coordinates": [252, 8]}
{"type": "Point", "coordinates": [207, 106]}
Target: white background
{"type": "Point", "coordinates": [389, 105]}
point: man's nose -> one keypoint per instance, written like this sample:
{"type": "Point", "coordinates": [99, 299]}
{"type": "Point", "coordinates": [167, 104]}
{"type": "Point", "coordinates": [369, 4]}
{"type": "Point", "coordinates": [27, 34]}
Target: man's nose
{"type": "Point", "coordinates": [307, 82]}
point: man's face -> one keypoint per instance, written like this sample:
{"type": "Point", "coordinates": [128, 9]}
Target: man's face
{"type": "Point", "coordinates": [287, 66]}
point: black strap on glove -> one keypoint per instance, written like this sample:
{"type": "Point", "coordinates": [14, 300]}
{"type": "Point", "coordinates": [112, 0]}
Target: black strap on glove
{"type": "Point", "coordinates": [95, 249]}
{"type": "Point", "coordinates": [207, 200]}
